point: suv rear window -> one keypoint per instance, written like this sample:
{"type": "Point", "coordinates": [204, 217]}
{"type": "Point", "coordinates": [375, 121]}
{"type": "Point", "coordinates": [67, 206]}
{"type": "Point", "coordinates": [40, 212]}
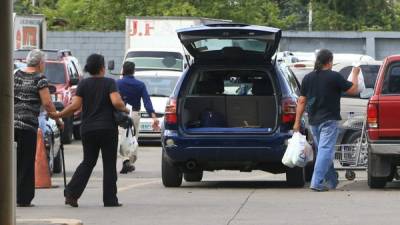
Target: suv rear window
{"type": "Point", "coordinates": [234, 83]}
{"type": "Point", "coordinates": [391, 83]}
{"type": "Point", "coordinates": [219, 44]}
{"type": "Point", "coordinates": [55, 73]}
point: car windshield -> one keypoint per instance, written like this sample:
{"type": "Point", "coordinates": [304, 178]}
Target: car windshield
{"type": "Point", "coordinates": [218, 44]}
{"type": "Point", "coordinates": [55, 73]}
{"type": "Point", "coordinates": [159, 86]}
{"type": "Point", "coordinates": [156, 60]}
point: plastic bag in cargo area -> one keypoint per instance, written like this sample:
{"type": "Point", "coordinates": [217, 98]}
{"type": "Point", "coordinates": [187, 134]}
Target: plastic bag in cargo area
{"type": "Point", "coordinates": [361, 83]}
{"type": "Point", "coordinates": [299, 152]}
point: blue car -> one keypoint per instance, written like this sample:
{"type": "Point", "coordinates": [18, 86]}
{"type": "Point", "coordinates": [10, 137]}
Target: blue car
{"type": "Point", "coordinates": [232, 109]}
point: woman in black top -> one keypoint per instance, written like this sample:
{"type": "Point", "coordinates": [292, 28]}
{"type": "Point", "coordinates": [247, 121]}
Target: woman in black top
{"type": "Point", "coordinates": [98, 96]}
{"type": "Point", "coordinates": [30, 93]}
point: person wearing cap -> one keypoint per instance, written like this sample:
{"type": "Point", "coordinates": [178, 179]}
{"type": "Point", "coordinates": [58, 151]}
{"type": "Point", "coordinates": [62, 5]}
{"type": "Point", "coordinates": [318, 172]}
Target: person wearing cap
{"type": "Point", "coordinates": [30, 93]}
{"type": "Point", "coordinates": [132, 91]}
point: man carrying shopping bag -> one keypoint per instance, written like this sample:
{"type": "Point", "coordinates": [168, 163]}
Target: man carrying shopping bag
{"type": "Point", "coordinates": [132, 92]}
{"type": "Point", "coordinates": [320, 97]}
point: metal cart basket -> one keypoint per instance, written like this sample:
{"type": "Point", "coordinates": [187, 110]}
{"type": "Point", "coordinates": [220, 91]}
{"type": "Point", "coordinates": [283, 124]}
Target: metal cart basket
{"type": "Point", "coordinates": [353, 156]}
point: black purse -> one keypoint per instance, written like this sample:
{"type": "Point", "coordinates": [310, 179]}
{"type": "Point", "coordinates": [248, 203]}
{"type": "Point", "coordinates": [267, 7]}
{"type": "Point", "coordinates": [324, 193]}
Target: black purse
{"type": "Point", "coordinates": [122, 119]}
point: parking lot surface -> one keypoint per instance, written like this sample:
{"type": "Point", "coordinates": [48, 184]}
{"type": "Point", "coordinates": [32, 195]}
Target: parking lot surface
{"type": "Point", "coordinates": [223, 197]}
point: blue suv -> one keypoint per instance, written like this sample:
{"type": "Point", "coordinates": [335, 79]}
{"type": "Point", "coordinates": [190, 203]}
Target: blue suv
{"type": "Point", "coordinates": [232, 109]}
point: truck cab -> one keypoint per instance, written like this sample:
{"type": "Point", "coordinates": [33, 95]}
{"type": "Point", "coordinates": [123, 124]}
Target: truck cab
{"type": "Point", "coordinates": [383, 125]}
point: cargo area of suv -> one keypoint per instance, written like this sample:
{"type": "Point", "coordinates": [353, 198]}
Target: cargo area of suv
{"type": "Point", "coordinates": [228, 101]}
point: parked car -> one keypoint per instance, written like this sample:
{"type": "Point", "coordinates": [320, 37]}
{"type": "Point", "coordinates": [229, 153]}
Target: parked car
{"type": "Point", "coordinates": [383, 125]}
{"type": "Point", "coordinates": [232, 109]}
{"type": "Point", "coordinates": [64, 72]}
{"type": "Point", "coordinates": [160, 85]}
{"type": "Point", "coordinates": [354, 108]}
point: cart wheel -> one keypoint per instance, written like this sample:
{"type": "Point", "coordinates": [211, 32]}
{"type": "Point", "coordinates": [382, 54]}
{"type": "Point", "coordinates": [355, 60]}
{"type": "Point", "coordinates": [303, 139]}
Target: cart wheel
{"type": "Point", "coordinates": [350, 175]}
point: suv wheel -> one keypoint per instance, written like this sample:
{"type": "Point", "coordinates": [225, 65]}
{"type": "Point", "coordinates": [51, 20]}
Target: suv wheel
{"type": "Point", "coordinates": [193, 176]}
{"type": "Point", "coordinates": [374, 182]}
{"type": "Point", "coordinates": [68, 130]}
{"type": "Point", "coordinates": [171, 175]}
{"type": "Point", "coordinates": [77, 132]}
{"type": "Point", "coordinates": [295, 177]}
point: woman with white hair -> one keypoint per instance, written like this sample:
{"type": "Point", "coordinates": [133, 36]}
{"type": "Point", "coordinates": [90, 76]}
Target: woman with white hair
{"type": "Point", "coordinates": [30, 93]}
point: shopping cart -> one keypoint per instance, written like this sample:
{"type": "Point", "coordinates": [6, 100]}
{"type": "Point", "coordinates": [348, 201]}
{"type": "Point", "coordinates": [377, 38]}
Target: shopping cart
{"type": "Point", "coordinates": [353, 156]}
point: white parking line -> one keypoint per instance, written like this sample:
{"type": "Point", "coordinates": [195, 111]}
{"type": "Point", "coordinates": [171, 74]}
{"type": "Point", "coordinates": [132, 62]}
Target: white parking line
{"type": "Point", "coordinates": [128, 187]}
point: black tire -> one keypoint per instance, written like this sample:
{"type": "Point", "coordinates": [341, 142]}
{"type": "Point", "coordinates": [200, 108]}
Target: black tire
{"type": "Point", "coordinates": [57, 163]}
{"type": "Point", "coordinates": [170, 174]}
{"type": "Point", "coordinates": [77, 132]}
{"type": "Point", "coordinates": [68, 131]}
{"type": "Point", "coordinates": [374, 182]}
{"type": "Point", "coordinates": [193, 176]}
{"type": "Point", "coordinates": [295, 177]}
{"type": "Point", "coordinates": [308, 172]}
{"type": "Point", "coordinates": [353, 137]}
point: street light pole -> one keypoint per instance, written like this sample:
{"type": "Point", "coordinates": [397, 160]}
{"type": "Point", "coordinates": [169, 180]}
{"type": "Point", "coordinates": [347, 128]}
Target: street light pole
{"type": "Point", "coordinates": [7, 167]}
{"type": "Point", "coordinates": [310, 15]}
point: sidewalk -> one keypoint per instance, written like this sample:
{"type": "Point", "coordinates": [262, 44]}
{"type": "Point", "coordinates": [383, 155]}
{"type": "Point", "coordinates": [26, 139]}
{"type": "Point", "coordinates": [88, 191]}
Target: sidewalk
{"type": "Point", "coordinates": [48, 222]}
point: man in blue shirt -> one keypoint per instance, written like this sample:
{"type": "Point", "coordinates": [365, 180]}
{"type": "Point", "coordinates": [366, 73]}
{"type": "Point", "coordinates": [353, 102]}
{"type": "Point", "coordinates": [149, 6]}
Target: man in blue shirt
{"type": "Point", "coordinates": [132, 91]}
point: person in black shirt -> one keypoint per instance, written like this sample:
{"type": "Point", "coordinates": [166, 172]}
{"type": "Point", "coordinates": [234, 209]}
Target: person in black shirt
{"type": "Point", "coordinates": [99, 97]}
{"type": "Point", "coordinates": [320, 97]}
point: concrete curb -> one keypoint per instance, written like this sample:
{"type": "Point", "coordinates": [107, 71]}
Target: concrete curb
{"type": "Point", "coordinates": [54, 221]}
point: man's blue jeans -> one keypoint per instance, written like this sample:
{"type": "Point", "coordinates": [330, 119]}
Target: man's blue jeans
{"type": "Point", "coordinates": [325, 136]}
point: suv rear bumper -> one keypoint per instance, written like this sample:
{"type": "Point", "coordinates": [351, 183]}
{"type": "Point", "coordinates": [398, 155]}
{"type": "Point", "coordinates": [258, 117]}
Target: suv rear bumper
{"type": "Point", "coordinates": [209, 149]}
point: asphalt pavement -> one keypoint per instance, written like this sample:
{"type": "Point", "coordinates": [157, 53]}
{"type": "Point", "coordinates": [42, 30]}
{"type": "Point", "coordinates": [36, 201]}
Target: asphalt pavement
{"type": "Point", "coordinates": [223, 198]}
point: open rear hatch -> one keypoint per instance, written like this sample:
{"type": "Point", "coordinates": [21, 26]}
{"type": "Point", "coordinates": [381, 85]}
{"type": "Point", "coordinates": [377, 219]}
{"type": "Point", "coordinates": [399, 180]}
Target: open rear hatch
{"type": "Point", "coordinates": [230, 41]}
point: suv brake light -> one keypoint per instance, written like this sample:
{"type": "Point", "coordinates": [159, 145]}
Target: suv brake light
{"type": "Point", "coordinates": [289, 110]}
{"type": "Point", "coordinates": [170, 117]}
{"type": "Point", "coordinates": [372, 115]}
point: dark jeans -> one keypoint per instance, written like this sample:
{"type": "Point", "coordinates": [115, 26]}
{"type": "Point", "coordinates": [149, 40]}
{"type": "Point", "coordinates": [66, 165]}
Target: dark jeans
{"type": "Point", "coordinates": [93, 142]}
{"type": "Point", "coordinates": [26, 152]}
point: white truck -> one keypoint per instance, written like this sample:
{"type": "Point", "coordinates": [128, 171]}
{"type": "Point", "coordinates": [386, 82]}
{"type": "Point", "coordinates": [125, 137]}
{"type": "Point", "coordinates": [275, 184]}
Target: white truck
{"type": "Point", "coordinates": [152, 43]}
{"type": "Point", "coordinates": [29, 31]}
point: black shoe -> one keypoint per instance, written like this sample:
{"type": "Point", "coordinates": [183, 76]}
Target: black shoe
{"type": "Point", "coordinates": [25, 205]}
{"type": "Point", "coordinates": [117, 204]}
{"type": "Point", "coordinates": [71, 201]}
{"type": "Point", "coordinates": [127, 167]}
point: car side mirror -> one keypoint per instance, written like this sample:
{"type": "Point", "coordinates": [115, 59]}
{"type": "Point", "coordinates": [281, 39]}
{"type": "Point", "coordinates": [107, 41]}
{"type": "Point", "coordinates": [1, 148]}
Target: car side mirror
{"type": "Point", "coordinates": [367, 93]}
{"type": "Point", "coordinates": [74, 81]}
{"type": "Point", "coordinates": [111, 65]}
{"type": "Point", "coordinates": [52, 89]}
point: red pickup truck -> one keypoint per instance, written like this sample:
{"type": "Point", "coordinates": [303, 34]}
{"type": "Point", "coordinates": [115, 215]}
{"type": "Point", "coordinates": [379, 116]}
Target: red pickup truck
{"type": "Point", "coordinates": [383, 124]}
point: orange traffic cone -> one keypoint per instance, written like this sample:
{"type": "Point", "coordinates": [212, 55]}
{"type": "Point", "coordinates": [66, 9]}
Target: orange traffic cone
{"type": "Point", "coordinates": [42, 172]}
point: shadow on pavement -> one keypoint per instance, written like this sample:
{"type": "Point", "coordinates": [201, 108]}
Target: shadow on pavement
{"type": "Point", "coordinates": [238, 184]}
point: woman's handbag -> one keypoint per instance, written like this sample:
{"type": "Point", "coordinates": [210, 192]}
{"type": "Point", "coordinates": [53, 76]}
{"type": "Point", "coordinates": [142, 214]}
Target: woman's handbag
{"type": "Point", "coordinates": [122, 119]}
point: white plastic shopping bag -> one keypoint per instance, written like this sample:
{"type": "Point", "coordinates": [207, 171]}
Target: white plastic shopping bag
{"type": "Point", "coordinates": [361, 83]}
{"type": "Point", "coordinates": [129, 146]}
{"type": "Point", "coordinates": [299, 152]}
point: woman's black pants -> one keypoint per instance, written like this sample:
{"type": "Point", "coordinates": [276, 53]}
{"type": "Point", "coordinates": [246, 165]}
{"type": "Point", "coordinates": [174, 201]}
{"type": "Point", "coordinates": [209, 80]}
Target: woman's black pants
{"type": "Point", "coordinates": [93, 142]}
{"type": "Point", "coordinates": [26, 152]}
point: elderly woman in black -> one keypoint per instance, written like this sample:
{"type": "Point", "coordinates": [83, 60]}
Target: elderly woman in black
{"type": "Point", "coordinates": [98, 96]}
{"type": "Point", "coordinates": [31, 92]}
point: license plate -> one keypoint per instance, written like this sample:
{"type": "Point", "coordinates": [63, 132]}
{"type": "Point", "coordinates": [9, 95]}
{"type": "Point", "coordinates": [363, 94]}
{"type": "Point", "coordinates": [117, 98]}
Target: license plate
{"type": "Point", "coordinates": [146, 127]}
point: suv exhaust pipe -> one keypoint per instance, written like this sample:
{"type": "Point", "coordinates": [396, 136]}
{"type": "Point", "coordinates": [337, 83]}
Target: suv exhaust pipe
{"type": "Point", "coordinates": [191, 165]}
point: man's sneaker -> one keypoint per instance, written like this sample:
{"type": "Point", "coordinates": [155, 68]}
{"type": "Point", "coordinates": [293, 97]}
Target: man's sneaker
{"type": "Point", "coordinates": [320, 189]}
{"type": "Point", "coordinates": [127, 167]}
